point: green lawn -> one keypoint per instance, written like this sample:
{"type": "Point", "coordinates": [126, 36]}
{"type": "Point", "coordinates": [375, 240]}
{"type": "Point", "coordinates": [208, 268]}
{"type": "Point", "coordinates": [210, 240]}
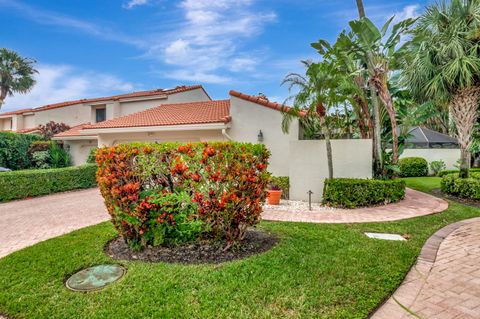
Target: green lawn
{"type": "Point", "coordinates": [317, 271]}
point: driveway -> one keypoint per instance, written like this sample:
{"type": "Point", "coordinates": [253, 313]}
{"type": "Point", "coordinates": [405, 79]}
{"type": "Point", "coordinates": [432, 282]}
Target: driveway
{"type": "Point", "coordinates": [27, 222]}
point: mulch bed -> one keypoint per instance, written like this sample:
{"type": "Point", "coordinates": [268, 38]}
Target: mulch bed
{"type": "Point", "coordinates": [204, 252]}
{"type": "Point", "coordinates": [465, 201]}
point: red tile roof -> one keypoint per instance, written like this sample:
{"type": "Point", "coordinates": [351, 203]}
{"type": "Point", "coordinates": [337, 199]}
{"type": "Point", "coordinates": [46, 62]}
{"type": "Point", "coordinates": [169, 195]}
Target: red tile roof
{"type": "Point", "coordinates": [173, 114]}
{"type": "Point", "coordinates": [28, 130]}
{"type": "Point", "coordinates": [75, 131]}
{"type": "Point", "coordinates": [17, 112]}
{"type": "Point", "coordinates": [260, 100]}
{"type": "Point", "coordinates": [177, 89]}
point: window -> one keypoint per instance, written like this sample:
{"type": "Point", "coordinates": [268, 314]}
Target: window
{"type": "Point", "coordinates": [100, 115]}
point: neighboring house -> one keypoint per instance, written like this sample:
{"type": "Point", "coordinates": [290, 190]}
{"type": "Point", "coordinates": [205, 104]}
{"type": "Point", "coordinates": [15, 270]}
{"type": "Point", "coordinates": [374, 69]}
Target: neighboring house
{"type": "Point", "coordinates": [432, 146]}
{"type": "Point", "coordinates": [184, 114]}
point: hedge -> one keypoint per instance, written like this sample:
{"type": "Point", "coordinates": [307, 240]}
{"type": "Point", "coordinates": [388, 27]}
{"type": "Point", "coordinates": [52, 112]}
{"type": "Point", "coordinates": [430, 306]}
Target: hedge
{"type": "Point", "coordinates": [413, 167]}
{"type": "Point", "coordinates": [462, 187]}
{"type": "Point", "coordinates": [14, 150]}
{"type": "Point", "coordinates": [456, 171]}
{"type": "Point", "coordinates": [283, 182]}
{"type": "Point", "coordinates": [170, 193]}
{"type": "Point", "coordinates": [357, 192]}
{"type": "Point", "coordinates": [27, 183]}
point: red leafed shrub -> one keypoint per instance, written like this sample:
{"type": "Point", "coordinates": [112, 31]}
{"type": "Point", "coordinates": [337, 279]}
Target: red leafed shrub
{"type": "Point", "coordinates": [170, 192]}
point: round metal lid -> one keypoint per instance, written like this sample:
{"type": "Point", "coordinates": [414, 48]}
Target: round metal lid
{"type": "Point", "coordinates": [94, 278]}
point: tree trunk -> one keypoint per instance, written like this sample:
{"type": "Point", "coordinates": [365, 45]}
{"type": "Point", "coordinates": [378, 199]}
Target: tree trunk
{"type": "Point", "coordinates": [326, 133]}
{"type": "Point", "coordinates": [386, 98]}
{"type": "Point", "coordinates": [464, 112]}
{"type": "Point", "coordinates": [377, 138]}
{"type": "Point", "coordinates": [361, 9]}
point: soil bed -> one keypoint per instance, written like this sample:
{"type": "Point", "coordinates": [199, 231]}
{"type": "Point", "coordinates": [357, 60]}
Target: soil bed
{"type": "Point", "coordinates": [465, 201]}
{"type": "Point", "coordinates": [204, 252]}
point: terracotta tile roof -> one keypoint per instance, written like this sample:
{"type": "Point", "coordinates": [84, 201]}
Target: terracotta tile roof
{"type": "Point", "coordinates": [177, 89]}
{"type": "Point", "coordinates": [260, 100]}
{"type": "Point", "coordinates": [173, 114]}
{"type": "Point", "coordinates": [16, 112]}
{"type": "Point", "coordinates": [75, 131]}
{"type": "Point", "coordinates": [28, 130]}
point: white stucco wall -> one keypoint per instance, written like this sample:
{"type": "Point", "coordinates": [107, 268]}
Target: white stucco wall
{"type": "Point", "coordinates": [5, 124]}
{"type": "Point", "coordinates": [308, 166]}
{"type": "Point", "coordinates": [79, 150]}
{"type": "Point", "coordinates": [29, 121]}
{"type": "Point", "coordinates": [187, 96]}
{"type": "Point", "coordinates": [249, 118]}
{"type": "Point", "coordinates": [180, 136]}
{"type": "Point", "coordinates": [449, 156]}
{"type": "Point", "coordinates": [71, 115]}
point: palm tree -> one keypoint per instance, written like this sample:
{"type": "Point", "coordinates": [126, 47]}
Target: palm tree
{"type": "Point", "coordinates": [445, 65]}
{"type": "Point", "coordinates": [317, 93]}
{"type": "Point", "coordinates": [16, 74]}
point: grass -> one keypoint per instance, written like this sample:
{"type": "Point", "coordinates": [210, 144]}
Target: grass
{"type": "Point", "coordinates": [317, 271]}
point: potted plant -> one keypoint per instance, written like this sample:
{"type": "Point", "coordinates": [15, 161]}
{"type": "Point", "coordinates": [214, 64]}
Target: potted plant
{"type": "Point", "coordinates": [274, 194]}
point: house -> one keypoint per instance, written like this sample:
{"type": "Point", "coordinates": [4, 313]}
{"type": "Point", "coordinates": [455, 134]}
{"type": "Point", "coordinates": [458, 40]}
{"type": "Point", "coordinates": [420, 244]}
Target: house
{"type": "Point", "coordinates": [184, 113]}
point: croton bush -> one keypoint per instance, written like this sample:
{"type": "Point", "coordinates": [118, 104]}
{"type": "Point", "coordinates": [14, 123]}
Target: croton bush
{"type": "Point", "coordinates": [171, 193]}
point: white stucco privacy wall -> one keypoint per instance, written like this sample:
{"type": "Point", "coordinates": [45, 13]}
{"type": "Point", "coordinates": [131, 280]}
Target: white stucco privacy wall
{"type": "Point", "coordinates": [449, 156]}
{"type": "Point", "coordinates": [308, 166]}
{"type": "Point", "coordinates": [249, 118]}
{"type": "Point", "coordinates": [79, 150]}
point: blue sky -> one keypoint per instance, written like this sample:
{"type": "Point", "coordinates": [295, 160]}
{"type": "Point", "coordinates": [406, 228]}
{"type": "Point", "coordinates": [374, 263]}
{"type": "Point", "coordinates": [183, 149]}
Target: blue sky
{"type": "Point", "coordinates": [88, 48]}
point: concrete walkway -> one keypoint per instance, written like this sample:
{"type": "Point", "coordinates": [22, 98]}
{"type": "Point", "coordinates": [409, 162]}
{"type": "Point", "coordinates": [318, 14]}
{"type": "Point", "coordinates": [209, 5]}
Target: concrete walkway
{"type": "Point", "coordinates": [415, 204]}
{"type": "Point", "coordinates": [27, 222]}
{"type": "Point", "coordinates": [445, 282]}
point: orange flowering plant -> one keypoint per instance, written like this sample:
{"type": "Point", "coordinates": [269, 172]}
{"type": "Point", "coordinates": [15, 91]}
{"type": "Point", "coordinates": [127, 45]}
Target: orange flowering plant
{"type": "Point", "coordinates": [172, 193]}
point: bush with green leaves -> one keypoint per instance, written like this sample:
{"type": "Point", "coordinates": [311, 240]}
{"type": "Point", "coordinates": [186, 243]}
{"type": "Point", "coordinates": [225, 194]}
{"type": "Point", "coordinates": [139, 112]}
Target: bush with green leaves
{"type": "Point", "coordinates": [28, 183]}
{"type": "Point", "coordinates": [283, 182]}
{"type": "Point", "coordinates": [91, 159]}
{"type": "Point", "coordinates": [14, 150]}
{"type": "Point", "coordinates": [59, 157]}
{"type": "Point", "coordinates": [413, 167]}
{"type": "Point", "coordinates": [359, 192]}
{"type": "Point", "coordinates": [437, 166]}
{"type": "Point", "coordinates": [41, 159]}
{"type": "Point", "coordinates": [453, 171]}
{"type": "Point", "coordinates": [462, 187]}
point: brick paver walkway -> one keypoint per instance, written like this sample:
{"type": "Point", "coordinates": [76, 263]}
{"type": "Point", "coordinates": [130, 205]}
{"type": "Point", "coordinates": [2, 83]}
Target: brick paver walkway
{"type": "Point", "coordinates": [415, 204]}
{"type": "Point", "coordinates": [26, 222]}
{"type": "Point", "coordinates": [445, 282]}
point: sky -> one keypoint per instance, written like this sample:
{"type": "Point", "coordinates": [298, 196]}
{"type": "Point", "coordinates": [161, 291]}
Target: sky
{"type": "Point", "coordinates": [91, 48]}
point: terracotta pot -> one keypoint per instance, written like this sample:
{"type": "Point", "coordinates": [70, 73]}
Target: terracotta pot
{"type": "Point", "coordinates": [274, 197]}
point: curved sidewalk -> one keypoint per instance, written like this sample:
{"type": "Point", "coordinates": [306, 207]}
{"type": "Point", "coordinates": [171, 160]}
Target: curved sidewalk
{"type": "Point", "coordinates": [445, 282]}
{"type": "Point", "coordinates": [29, 221]}
{"type": "Point", "coordinates": [415, 204]}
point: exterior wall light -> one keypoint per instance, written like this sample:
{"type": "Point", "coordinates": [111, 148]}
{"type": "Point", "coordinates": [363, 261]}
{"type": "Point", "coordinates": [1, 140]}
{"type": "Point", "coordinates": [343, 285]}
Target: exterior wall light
{"type": "Point", "coordinates": [260, 136]}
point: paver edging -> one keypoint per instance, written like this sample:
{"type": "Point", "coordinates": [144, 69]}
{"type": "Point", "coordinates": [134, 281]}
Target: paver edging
{"type": "Point", "coordinates": [426, 259]}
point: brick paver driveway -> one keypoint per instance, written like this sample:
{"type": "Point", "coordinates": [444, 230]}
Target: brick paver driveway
{"type": "Point", "coordinates": [26, 222]}
{"type": "Point", "coordinates": [445, 282]}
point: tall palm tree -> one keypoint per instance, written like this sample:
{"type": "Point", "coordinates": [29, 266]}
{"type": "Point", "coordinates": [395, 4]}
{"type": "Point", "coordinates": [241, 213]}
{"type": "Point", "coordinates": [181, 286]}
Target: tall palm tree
{"type": "Point", "coordinates": [445, 65]}
{"type": "Point", "coordinates": [317, 93]}
{"type": "Point", "coordinates": [16, 74]}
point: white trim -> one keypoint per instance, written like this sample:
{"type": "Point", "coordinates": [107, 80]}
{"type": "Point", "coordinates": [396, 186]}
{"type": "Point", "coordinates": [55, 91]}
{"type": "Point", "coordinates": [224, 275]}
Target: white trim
{"type": "Point", "coordinates": [74, 138]}
{"type": "Point", "coordinates": [160, 96]}
{"type": "Point", "coordinates": [191, 127]}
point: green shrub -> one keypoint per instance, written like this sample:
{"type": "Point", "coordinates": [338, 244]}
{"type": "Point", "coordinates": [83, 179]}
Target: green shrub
{"type": "Point", "coordinates": [27, 183]}
{"type": "Point", "coordinates": [91, 155]}
{"type": "Point", "coordinates": [40, 159]}
{"type": "Point", "coordinates": [455, 171]}
{"type": "Point", "coordinates": [437, 166]}
{"type": "Point", "coordinates": [283, 182]}
{"type": "Point", "coordinates": [14, 149]}
{"type": "Point", "coordinates": [357, 192]}
{"type": "Point", "coordinates": [462, 187]}
{"type": "Point", "coordinates": [59, 157]}
{"type": "Point", "coordinates": [413, 167]}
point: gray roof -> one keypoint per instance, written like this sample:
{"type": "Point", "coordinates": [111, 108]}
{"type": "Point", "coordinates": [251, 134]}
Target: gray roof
{"type": "Point", "coordinates": [422, 137]}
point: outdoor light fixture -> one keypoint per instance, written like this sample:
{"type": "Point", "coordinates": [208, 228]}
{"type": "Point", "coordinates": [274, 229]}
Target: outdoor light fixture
{"type": "Point", "coordinates": [260, 136]}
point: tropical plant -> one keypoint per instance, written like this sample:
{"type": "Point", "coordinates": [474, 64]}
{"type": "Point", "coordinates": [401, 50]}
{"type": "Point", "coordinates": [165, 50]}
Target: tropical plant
{"type": "Point", "coordinates": [445, 65]}
{"type": "Point", "coordinates": [317, 94]}
{"type": "Point", "coordinates": [51, 128]}
{"type": "Point", "coordinates": [16, 74]}
{"type": "Point", "coordinates": [59, 157]}
{"type": "Point", "coordinates": [437, 166]}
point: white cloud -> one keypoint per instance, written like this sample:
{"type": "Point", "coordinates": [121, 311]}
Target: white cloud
{"type": "Point", "coordinates": [133, 3]}
{"type": "Point", "coordinates": [379, 14]}
{"type": "Point", "coordinates": [209, 39]}
{"type": "Point", "coordinates": [410, 11]}
{"type": "Point", "coordinates": [58, 83]}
